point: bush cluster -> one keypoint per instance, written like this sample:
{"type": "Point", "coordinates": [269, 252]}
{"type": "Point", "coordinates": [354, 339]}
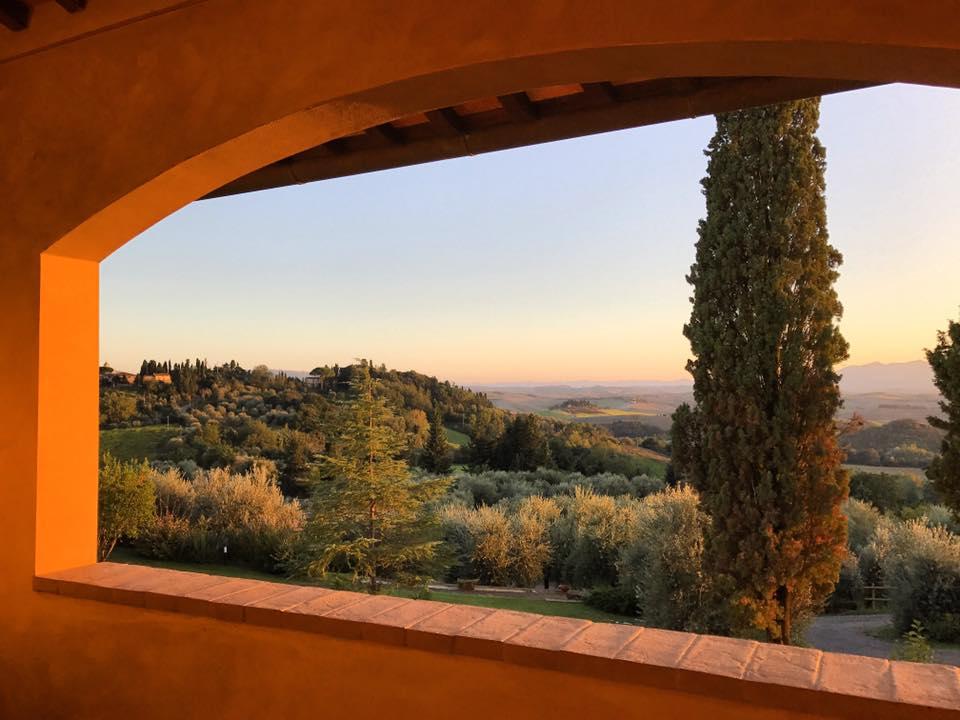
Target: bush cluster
{"type": "Point", "coordinates": [217, 515]}
{"type": "Point", "coordinates": [664, 563]}
{"type": "Point", "coordinates": [492, 486]}
{"type": "Point", "coordinates": [500, 545]}
{"type": "Point", "coordinates": [640, 555]}
{"type": "Point", "coordinates": [922, 566]}
{"type": "Point", "coordinates": [916, 556]}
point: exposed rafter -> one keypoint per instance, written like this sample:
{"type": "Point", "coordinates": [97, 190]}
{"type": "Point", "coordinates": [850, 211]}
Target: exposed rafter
{"type": "Point", "coordinates": [336, 147]}
{"type": "Point", "coordinates": [519, 107]}
{"type": "Point", "coordinates": [389, 133]}
{"type": "Point", "coordinates": [14, 14]}
{"type": "Point", "coordinates": [446, 121]}
{"type": "Point", "coordinates": [603, 91]}
{"type": "Point", "coordinates": [519, 119]}
{"type": "Point", "coordinates": [72, 6]}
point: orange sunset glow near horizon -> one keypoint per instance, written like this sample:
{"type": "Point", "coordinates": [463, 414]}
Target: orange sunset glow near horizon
{"type": "Point", "coordinates": [563, 262]}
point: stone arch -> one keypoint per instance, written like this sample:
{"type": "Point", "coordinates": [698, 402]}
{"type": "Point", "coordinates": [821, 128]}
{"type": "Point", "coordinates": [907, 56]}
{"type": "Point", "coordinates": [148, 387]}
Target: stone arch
{"type": "Point", "coordinates": [121, 125]}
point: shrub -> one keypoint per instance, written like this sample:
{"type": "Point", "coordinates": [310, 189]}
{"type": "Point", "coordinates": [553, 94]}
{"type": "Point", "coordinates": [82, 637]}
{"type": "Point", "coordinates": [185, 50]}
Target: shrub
{"type": "Point", "coordinates": [664, 562]}
{"type": "Point", "coordinates": [168, 537]}
{"type": "Point", "coordinates": [490, 531]}
{"type": "Point", "coordinates": [914, 646]}
{"type": "Point", "coordinates": [247, 513]}
{"type": "Point", "coordinates": [862, 519]}
{"type": "Point", "coordinates": [198, 517]}
{"type": "Point", "coordinates": [458, 542]}
{"type": "Point", "coordinates": [117, 408]}
{"type": "Point", "coordinates": [922, 567]}
{"type": "Point", "coordinates": [501, 547]}
{"type": "Point", "coordinates": [175, 494]}
{"type": "Point", "coordinates": [531, 550]}
{"type": "Point", "coordinates": [492, 486]}
{"type": "Point", "coordinates": [872, 556]}
{"type": "Point", "coordinates": [885, 491]}
{"type": "Point", "coordinates": [934, 516]}
{"type": "Point", "coordinates": [620, 600]}
{"type": "Point", "coordinates": [590, 535]}
{"type": "Point", "coordinates": [126, 503]}
{"type": "Point", "coordinates": [848, 592]}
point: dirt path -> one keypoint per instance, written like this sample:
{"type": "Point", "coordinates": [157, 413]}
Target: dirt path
{"type": "Point", "coordinates": [848, 634]}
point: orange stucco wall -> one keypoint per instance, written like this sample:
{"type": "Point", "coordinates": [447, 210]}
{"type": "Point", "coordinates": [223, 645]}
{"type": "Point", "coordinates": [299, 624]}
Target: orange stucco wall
{"type": "Point", "coordinates": [103, 661]}
{"type": "Point", "coordinates": [114, 118]}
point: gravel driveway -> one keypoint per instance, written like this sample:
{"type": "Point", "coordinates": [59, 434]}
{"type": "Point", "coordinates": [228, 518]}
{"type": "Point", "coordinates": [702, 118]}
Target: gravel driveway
{"type": "Point", "coordinates": [848, 634]}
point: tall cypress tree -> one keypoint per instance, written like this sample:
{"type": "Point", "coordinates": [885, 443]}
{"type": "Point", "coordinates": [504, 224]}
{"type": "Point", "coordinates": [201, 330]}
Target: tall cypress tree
{"type": "Point", "coordinates": [760, 445]}
{"type": "Point", "coordinates": [945, 468]}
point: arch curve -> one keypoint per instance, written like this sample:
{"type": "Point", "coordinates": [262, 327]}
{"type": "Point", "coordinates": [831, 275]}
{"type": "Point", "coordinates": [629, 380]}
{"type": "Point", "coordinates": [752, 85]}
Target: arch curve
{"type": "Point", "coordinates": [196, 97]}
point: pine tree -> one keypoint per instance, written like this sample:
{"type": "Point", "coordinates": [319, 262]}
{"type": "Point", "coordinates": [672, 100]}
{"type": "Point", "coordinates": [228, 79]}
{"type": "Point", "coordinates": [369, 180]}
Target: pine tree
{"type": "Point", "coordinates": [760, 446]}
{"type": "Point", "coordinates": [436, 456]}
{"type": "Point", "coordinates": [944, 471]}
{"type": "Point", "coordinates": [486, 429]}
{"type": "Point", "coordinates": [368, 515]}
{"type": "Point", "coordinates": [523, 445]}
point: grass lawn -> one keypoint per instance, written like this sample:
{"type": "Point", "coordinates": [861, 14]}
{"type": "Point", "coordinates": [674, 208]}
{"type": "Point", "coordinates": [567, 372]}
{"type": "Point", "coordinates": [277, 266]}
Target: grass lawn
{"type": "Point", "coordinates": [138, 443]}
{"type": "Point", "coordinates": [884, 470]}
{"type": "Point", "coordinates": [457, 438]}
{"type": "Point", "coordinates": [520, 604]}
{"type": "Point", "coordinates": [917, 473]}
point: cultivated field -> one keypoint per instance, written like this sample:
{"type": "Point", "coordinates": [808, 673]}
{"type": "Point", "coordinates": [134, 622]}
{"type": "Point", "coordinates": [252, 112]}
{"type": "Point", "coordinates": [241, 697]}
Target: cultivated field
{"type": "Point", "coordinates": [139, 443]}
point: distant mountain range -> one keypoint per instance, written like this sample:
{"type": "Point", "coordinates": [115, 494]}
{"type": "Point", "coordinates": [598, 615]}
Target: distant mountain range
{"type": "Point", "coordinates": [907, 378]}
{"type": "Point", "coordinates": [880, 392]}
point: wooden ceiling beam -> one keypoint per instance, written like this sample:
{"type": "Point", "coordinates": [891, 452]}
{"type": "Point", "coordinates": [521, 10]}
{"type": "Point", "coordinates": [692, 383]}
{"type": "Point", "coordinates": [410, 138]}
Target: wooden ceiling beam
{"type": "Point", "coordinates": [389, 133]}
{"type": "Point", "coordinates": [72, 6]}
{"type": "Point", "coordinates": [446, 121]}
{"type": "Point", "coordinates": [519, 107]}
{"type": "Point", "coordinates": [14, 15]}
{"type": "Point", "coordinates": [337, 146]}
{"type": "Point", "coordinates": [637, 106]}
{"type": "Point", "coordinates": [604, 91]}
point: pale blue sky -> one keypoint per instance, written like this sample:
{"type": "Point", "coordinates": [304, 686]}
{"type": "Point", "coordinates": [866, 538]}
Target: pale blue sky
{"type": "Point", "coordinates": [557, 262]}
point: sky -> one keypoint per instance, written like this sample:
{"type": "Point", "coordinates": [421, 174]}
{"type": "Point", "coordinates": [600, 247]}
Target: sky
{"type": "Point", "coordinates": [562, 262]}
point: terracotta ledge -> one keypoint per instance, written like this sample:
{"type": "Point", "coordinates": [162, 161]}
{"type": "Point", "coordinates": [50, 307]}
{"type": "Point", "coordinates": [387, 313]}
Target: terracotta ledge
{"type": "Point", "coordinates": [798, 679]}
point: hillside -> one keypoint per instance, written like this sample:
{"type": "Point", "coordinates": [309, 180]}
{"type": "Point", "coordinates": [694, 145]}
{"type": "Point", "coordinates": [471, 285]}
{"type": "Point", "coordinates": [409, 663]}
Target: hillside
{"type": "Point", "coordinates": [197, 416]}
{"type": "Point", "coordinates": [879, 392]}
{"type": "Point", "coordinates": [900, 443]}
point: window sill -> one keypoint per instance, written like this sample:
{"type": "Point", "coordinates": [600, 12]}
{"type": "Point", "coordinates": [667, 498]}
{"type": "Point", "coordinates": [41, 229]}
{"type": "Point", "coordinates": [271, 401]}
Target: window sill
{"type": "Point", "coordinates": [792, 678]}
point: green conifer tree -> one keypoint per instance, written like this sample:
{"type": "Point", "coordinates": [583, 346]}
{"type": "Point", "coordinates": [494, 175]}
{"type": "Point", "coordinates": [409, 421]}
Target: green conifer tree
{"type": "Point", "coordinates": [436, 457]}
{"type": "Point", "coordinates": [368, 515]}
{"type": "Point", "coordinates": [761, 443]}
{"type": "Point", "coordinates": [945, 468]}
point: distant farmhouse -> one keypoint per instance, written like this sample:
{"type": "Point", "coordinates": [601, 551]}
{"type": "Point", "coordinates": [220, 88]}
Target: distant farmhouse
{"type": "Point", "coordinates": [159, 378]}
{"type": "Point", "coordinates": [109, 376]}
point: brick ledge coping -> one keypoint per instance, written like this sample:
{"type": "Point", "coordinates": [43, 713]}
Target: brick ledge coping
{"type": "Point", "coordinates": [798, 679]}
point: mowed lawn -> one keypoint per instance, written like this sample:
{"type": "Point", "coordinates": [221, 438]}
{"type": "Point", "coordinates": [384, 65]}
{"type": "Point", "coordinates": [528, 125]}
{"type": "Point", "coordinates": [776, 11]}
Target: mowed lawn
{"type": "Point", "coordinates": [918, 473]}
{"type": "Point", "coordinates": [457, 438]}
{"type": "Point", "coordinates": [139, 443]}
{"type": "Point", "coordinates": [520, 604]}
